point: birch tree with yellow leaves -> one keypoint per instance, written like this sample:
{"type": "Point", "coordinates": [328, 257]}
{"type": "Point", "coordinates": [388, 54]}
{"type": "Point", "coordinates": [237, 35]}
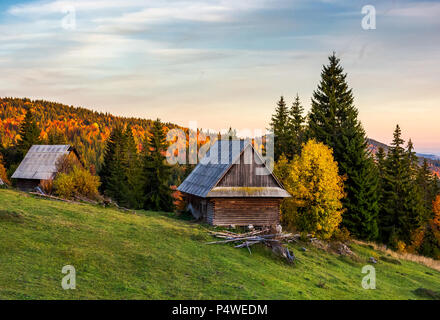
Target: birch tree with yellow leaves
{"type": "Point", "coordinates": [316, 188]}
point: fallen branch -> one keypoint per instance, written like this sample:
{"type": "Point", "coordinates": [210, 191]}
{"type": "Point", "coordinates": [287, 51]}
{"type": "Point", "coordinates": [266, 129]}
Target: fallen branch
{"type": "Point", "coordinates": [273, 241]}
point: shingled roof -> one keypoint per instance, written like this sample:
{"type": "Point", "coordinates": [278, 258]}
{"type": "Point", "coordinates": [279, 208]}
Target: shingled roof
{"type": "Point", "coordinates": [41, 161]}
{"type": "Point", "coordinates": [219, 159]}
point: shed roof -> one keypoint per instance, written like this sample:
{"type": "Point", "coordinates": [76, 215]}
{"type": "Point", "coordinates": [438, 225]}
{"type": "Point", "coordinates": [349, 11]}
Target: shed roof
{"type": "Point", "coordinates": [40, 162]}
{"type": "Point", "coordinates": [219, 159]}
{"type": "Point", "coordinates": [212, 167]}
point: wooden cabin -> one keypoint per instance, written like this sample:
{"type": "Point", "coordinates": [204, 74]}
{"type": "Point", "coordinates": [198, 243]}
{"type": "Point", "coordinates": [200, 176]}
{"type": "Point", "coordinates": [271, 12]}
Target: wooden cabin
{"type": "Point", "coordinates": [39, 164]}
{"type": "Point", "coordinates": [232, 186]}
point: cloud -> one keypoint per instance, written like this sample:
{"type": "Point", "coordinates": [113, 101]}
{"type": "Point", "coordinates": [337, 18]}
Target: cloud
{"type": "Point", "coordinates": [223, 62]}
{"type": "Point", "coordinates": [418, 10]}
{"type": "Point", "coordinates": [50, 7]}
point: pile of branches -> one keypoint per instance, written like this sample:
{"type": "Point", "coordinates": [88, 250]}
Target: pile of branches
{"type": "Point", "coordinates": [271, 240]}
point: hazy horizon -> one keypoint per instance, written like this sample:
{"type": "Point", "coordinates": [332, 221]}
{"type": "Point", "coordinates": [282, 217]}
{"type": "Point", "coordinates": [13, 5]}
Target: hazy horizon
{"type": "Point", "coordinates": [225, 63]}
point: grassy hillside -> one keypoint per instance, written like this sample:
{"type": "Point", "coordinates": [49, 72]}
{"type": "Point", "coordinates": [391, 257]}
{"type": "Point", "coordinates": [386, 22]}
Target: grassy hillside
{"type": "Point", "coordinates": [120, 255]}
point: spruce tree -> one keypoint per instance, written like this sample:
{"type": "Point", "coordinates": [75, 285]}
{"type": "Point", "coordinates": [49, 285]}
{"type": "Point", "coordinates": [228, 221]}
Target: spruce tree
{"type": "Point", "coordinates": [296, 128]}
{"type": "Point", "coordinates": [156, 171]}
{"type": "Point", "coordinates": [56, 137]}
{"type": "Point", "coordinates": [279, 126]}
{"type": "Point", "coordinates": [428, 186]}
{"type": "Point", "coordinates": [413, 197]}
{"type": "Point", "coordinates": [381, 170]}
{"type": "Point", "coordinates": [133, 167]}
{"type": "Point", "coordinates": [29, 135]}
{"type": "Point", "coordinates": [402, 203]}
{"type": "Point", "coordinates": [333, 120]}
{"type": "Point", "coordinates": [113, 172]}
{"type": "Point", "coordinates": [381, 158]}
{"type": "Point", "coordinates": [393, 188]}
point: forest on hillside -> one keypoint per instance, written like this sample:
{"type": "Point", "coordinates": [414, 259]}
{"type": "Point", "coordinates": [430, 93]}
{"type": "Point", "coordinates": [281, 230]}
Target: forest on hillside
{"type": "Point", "coordinates": [86, 130]}
{"type": "Point", "coordinates": [346, 185]}
{"type": "Point", "coordinates": [342, 183]}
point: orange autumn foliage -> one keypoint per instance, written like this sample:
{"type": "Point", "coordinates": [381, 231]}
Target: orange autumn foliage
{"type": "Point", "coordinates": [436, 210]}
{"type": "Point", "coordinates": [3, 175]}
{"type": "Point", "coordinates": [179, 201]}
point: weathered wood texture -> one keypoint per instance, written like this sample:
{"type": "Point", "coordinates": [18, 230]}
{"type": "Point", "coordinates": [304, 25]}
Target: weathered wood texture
{"type": "Point", "coordinates": [246, 211]}
{"type": "Point", "coordinates": [247, 173]}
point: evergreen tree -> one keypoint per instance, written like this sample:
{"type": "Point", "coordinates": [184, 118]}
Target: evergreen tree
{"type": "Point", "coordinates": [333, 120]}
{"type": "Point", "coordinates": [381, 158]}
{"type": "Point", "coordinates": [296, 128]}
{"type": "Point", "coordinates": [413, 198]}
{"type": "Point", "coordinates": [113, 172]}
{"type": "Point", "coordinates": [279, 126]}
{"type": "Point", "coordinates": [381, 170]}
{"type": "Point", "coordinates": [56, 137]}
{"type": "Point", "coordinates": [156, 171]}
{"type": "Point", "coordinates": [402, 204]}
{"type": "Point", "coordinates": [29, 135]}
{"type": "Point", "coordinates": [132, 162]}
{"type": "Point", "coordinates": [393, 188]}
{"type": "Point", "coordinates": [428, 186]}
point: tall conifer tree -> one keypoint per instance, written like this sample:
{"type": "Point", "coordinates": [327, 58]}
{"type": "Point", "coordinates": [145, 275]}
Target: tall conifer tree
{"type": "Point", "coordinates": [402, 203]}
{"type": "Point", "coordinates": [333, 120]}
{"type": "Point", "coordinates": [428, 186]}
{"type": "Point", "coordinates": [393, 189]}
{"type": "Point", "coordinates": [29, 134]}
{"type": "Point", "coordinates": [279, 126]}
{"type": "Point", "coordinates": [113, 172]}
{"type": "Point", "coordinates": [296, 128]}
{"type": "Point", "coordinates": [156, 171]}
{"type": "Point", "coordinates": [413, 197]}
{"type": "Point", "coordinates": [133, 171]}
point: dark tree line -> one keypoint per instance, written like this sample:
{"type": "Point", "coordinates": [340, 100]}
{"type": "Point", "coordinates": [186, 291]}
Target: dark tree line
{"type": "Point", "coordinates": [29, 135]}
{"type": "Point", "coordinates": [407, 192]}
{"type": "Point", "coordinates": [139, 181]}
{"type": "Point", "coordinates": [387, 198]}
{"type": "Point", "coordinates": [287, 125]}
{"type": "Point", "coordinates": [134, 180]}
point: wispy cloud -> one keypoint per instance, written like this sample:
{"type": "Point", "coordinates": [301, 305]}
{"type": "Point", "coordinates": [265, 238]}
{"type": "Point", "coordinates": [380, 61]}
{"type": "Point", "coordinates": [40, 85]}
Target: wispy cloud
{"type": "Point", "coordinates": [225, 62]}
{"type": "Point", "coordinates": [417, 9]}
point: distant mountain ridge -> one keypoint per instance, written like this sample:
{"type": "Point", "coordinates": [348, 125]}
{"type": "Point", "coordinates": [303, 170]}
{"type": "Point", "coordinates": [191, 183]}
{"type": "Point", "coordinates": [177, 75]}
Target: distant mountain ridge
{"type": "Point", "coordinates": [433, 160]}
{"type": "Point", "coordinates": [429, 156]}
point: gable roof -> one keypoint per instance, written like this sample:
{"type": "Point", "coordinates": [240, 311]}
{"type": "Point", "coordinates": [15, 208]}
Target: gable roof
{"type": "Point", "coordinates": [40, 162]}
{"type": "Point", "coordinates": [207, 173]}
{"type": "Point", "coordinates": [213, 167]}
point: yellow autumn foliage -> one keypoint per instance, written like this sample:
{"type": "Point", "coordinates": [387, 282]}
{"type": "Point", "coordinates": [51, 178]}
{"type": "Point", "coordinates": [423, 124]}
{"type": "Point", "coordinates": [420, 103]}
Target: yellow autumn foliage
{"type": "Point", "coordinates": [316, 188]}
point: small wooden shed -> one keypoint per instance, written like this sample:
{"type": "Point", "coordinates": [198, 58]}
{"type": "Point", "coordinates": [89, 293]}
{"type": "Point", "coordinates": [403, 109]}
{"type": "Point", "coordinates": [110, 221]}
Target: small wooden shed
{"type": "Point", "coordinates": [39, 164]}
{"type": "Point", "coordinates": [233, 186]}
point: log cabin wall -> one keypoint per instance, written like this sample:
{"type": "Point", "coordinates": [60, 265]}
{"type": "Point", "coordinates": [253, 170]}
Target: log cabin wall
{"type": "Point", "coordinates": [202, 208]}
{"type": "Point", "coordinates": [210, 213]}
{"type": "Point", "coordinates": [244, 173]}
{"type": "Point", "coordinates": [27, 185]}
{"type": "Point", "coordinates": [195, 206]}
{"type": "Point", "coordinates": [246, 211]}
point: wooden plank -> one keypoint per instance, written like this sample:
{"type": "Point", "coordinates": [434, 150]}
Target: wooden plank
{"type": "Point", "coordinates": [246, 211]}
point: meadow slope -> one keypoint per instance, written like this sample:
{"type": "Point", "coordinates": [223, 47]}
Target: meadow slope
{"type": "Point", "coordinates": [146, 255]}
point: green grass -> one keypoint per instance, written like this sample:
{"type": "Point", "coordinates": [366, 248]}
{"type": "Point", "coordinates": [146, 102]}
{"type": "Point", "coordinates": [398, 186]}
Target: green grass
{"type": "Point", "coordinates": [120, 255]}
